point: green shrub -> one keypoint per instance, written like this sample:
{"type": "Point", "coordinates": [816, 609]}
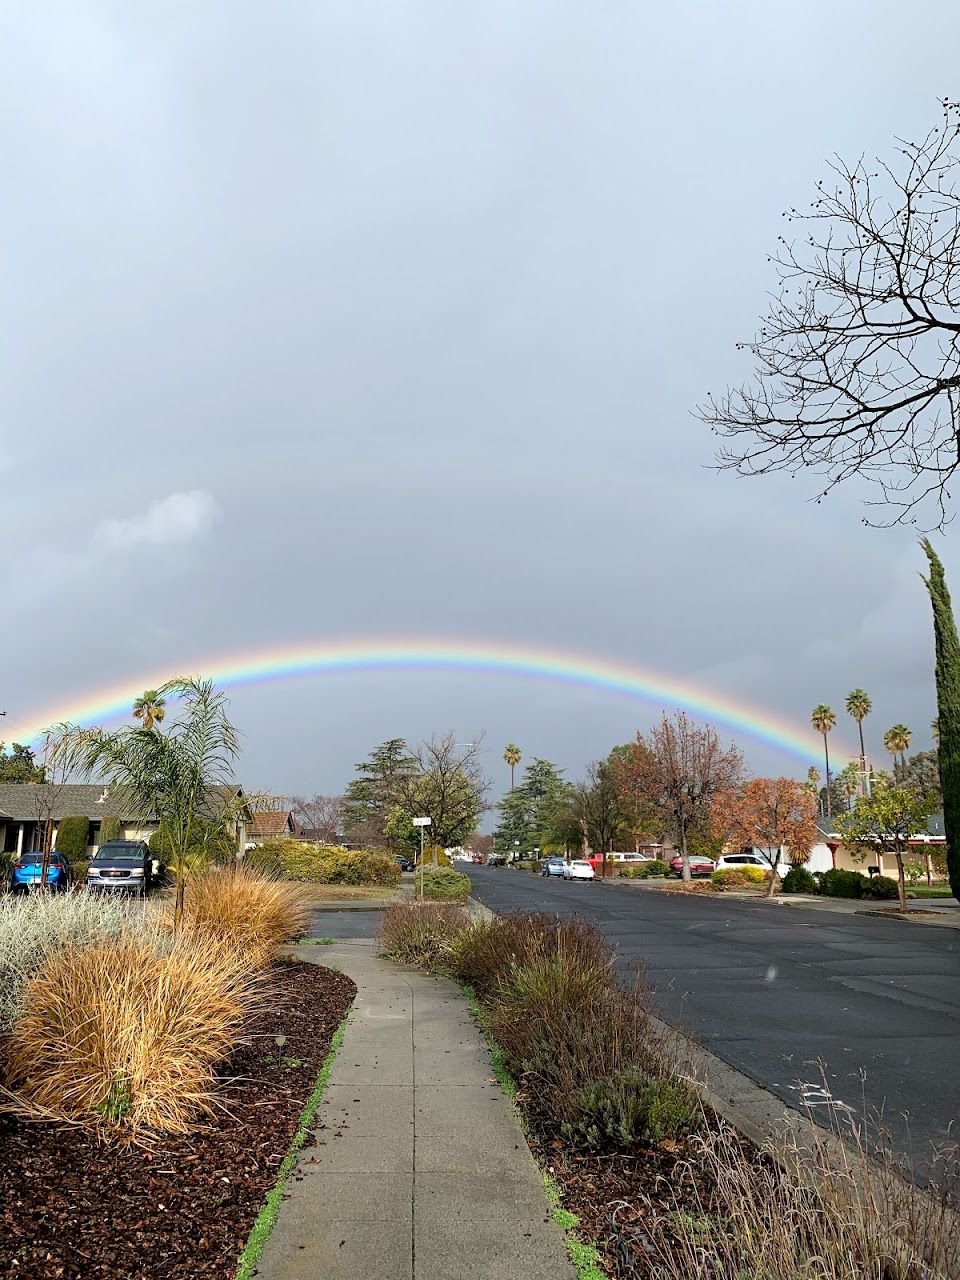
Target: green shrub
{"type": "Point", "coordinates": [434, 857]}
{"type": "Point", "coordinates": [72, 836]}
{"type": "Point", "coordinates": [838, 883]}
{"type": "Point", "coordinates": [627, 1108]}
{"type": "Point", "coordinates": [443, 884]}
{"type": "Point", "coordinates": [264, 858]}
{"type": "Point", "coordinates": [424, 934]}
{"type": "Point", "coordinates": [881, 887]}
{"type": "Point", "coordinates": [799, 880]}
{"type": "Point", "coordinates": [525, 864]}
{"type": "Point", "coordinates": [109, 829]}
{"type": "Point", "coordinates": [914, 871]}
{"type": "Point", "coordinates": [643, 870]}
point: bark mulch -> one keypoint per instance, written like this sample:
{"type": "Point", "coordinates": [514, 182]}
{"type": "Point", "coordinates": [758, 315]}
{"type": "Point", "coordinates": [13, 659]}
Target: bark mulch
{"type": "Point", "coordinates": [74, 1207]}
{"type": "Point", "coordinates": [627, 1203]}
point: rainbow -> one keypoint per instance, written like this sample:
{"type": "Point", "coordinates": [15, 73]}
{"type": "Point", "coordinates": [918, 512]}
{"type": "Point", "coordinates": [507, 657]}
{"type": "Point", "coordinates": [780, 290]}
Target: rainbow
{"type": "Point", "coordinates": [478, 657]}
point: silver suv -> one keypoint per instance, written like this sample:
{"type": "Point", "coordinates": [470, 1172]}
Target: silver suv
{"type": "Point", "coordinates": [121, 864]}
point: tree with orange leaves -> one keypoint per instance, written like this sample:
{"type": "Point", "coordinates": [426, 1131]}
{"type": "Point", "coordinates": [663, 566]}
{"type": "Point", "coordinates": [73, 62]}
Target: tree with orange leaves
{"type": "Point", "coordinates": [771, 815]}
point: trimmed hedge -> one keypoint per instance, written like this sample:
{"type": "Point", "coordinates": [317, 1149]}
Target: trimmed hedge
{"type": "Point", "coordinates": [72, 836]}
{"type": "Point", "coordinates": [325, 864]}
{"type": "Point", "coordinates": [839, 883]}
{"type": "Point", "coordinates": [444, 885]}
{"type": "Point", "coordinates": [109, 829]}
{"type": "Point", "coordinates": [643, 870]}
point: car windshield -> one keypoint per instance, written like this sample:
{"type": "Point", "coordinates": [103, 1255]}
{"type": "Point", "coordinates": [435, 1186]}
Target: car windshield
{"type": "Point", "coordinates": [35, 859]}
{"type": "Point", "coordinates": [580, 864]}
{"type": "Point", "coordinates": [120, 857]}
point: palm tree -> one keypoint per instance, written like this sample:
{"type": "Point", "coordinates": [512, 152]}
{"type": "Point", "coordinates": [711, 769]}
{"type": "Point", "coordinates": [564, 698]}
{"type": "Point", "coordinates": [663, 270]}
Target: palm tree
{"type": "Point", "coordinates": [849, 780]}
{"type": "Point", "coordinates": [813, 785]}
{"type": "Point", "coordinates": [859, 706]}
{"type": "Point", "coordinates": [183, 778]}
{"type": "Point", "coordinates": [897, 739]}
{"type": "Point", "coordinates": [150, 708]}
{"type": "Point", "coordinates": [823, 719]}
{"type": "Point", "coordinates": [511, 755]}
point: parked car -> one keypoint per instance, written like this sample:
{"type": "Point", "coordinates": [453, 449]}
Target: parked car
{"type": "Point", "coordinates": [121, 865]}
{"type": "Point", "coordinates": [699, 866]}
{"type": "Point", "coordinates": [477, 859]}
{"type": "Point", "coordinates": [579, 869]}
{"type": "Point", "coordinates": [496, 860]}
{"type": "Point", "coordinates": [27, 872]}
{"type": "Point", "coordinates": [736, 861]}
{"type": "Point", "coordinates": [629, 857]}
{"type": "Point", "coordinates": [405, 863]}
{"type": "Point", "coordinates": [552, 866]}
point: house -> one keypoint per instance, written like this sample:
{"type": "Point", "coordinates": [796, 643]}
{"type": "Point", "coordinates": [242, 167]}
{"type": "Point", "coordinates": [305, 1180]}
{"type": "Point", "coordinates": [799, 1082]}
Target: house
{"type": "Point", "coordinates": [26, 810]}
{"type": "Point", "coordinates": [270, 824]}
{"type": "Point", "coordinates": [832, 852]}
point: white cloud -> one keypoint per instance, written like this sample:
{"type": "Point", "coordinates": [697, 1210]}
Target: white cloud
{"type": "Point", "coordinates": [177, 518]}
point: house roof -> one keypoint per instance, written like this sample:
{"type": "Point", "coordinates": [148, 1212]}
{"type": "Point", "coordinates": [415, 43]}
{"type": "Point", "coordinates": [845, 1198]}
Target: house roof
{"type": "Point", "coordinates": [32, 802]}
{"type": "Point", "coordinates": [36, 801]}
{"type": "Point", "coordinates": [270, 822]}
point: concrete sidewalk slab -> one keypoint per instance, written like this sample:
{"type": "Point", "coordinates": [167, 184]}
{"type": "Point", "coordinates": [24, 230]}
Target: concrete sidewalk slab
{"type": "Point", "coordinates": [421, 1170]}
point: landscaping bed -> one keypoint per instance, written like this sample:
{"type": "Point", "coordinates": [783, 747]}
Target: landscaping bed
{"type": "Point", "coordinates": [74, 1206]}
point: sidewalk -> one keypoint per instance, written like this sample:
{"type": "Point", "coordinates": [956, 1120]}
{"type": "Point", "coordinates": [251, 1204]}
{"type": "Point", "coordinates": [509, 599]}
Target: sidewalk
{"type": "Point", "coordinates": [421, 1170]}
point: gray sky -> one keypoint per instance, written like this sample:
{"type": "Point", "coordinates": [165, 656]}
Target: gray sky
{"type": "Point", "coordinates": [323, 320]}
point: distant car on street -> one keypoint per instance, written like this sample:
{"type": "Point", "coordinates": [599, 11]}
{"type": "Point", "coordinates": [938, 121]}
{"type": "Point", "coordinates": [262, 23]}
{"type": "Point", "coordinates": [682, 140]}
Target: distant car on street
{"type": "Point", "coordinates": [405, 863]}
{"type": "Point", "coordinates": [699, 866]}
{"type": "Point", "coordinates": [121, 866]}
{"type": "Point", "coordinates": [579, 869]}
{"type": "Point", "coordinates": [496, 860]}
{"type": "Point", "coordinates": [27, 872]}
{"type": "Point", "coordinates": [552, 866]}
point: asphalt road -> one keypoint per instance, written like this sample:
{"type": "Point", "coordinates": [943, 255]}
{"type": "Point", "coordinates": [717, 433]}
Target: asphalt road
{"type": "Point", "coordinates": [774, 991]}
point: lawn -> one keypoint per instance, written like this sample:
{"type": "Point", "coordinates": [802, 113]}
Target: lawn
{"type": "Point", "coordinates": [351, 892]}
{"type": "Point", "coordinates": [930, 891]}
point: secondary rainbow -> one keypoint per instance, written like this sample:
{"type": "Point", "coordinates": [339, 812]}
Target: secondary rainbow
{"type": "Point", "coordinates": [479, 657]}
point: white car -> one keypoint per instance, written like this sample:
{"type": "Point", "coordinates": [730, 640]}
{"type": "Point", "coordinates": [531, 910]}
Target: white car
{"type": "Point", "coordinates": [578, 870]}
{"type": "Point", "coordinates": [632, 858]}
{"type": "Point", "coordinates": [737, 861]}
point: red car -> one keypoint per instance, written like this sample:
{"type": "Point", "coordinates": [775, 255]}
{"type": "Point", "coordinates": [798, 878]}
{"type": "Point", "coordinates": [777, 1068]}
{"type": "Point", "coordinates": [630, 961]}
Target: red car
{"type": "Point", "coordinates": [699, 866]}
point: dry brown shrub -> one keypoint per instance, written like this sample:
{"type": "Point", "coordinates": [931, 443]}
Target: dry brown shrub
{"type": "Point", "coordinates": [126, 1035]}
{"type": "Point", "coordinates": [247, 909]}
{"type": "Point", "coordinates": [422, 933]}
{"type": "Point", "coordinates": [691, 886]}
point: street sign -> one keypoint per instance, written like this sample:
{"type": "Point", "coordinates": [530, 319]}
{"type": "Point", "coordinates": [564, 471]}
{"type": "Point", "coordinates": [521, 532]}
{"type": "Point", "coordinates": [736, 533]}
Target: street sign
{"type": "Point", "coordinates": [421, 822]}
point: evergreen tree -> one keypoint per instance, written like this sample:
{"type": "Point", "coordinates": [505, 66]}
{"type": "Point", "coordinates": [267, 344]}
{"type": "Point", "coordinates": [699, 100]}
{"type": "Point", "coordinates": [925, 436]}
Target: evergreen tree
{"type": "Point", "coordinates": [947, 646]}
{"type": "Point", "coordinates": [18, 765]}
{"type": "Point", "coordinates": [369, 799]}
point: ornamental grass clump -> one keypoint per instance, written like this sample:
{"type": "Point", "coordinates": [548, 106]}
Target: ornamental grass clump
{"type": "Point", "coordinates": [37, 927]}
{"type": "Point", "coordinates": [424, 934]}
{"type": "Point", "coordinates": [246, 909]}
{"type": "Point", "coordinates": [125, 1036]}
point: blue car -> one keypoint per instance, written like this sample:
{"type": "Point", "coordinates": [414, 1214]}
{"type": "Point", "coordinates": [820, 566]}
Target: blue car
{"type": "Point", "coordinates": [28, 871]}
{"type": "Point", "coordinates": [552, 866]}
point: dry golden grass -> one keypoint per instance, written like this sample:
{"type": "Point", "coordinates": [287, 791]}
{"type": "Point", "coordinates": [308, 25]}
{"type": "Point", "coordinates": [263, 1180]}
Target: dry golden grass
{"type": "Point", "coordinates": [249, 910]}
{"type": "Point", "coordinates": [350, 893]}
{"type": "Point", "coordinates": [126, 1034]}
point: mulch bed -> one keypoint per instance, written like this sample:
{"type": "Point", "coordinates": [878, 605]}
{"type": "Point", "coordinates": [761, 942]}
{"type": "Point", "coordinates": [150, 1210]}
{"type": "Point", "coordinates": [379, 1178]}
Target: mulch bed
{"type": "Point", "coordinates": [626, 1203]}
{"type": "Point", "coordinates": [74, 1207]}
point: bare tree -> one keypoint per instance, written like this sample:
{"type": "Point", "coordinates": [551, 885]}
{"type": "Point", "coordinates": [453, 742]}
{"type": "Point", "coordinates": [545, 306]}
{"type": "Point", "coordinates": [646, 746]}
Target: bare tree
{"type": "Point", "coordinates": [858, 357]}
{"type": "Point", "coordinates": [320, 817]}
{"type": "Point", "coordinates": [680, 767]}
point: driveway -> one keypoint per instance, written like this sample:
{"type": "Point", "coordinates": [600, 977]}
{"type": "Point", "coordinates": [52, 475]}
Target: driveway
{"type": "Point", "coordinates": [775, 991]}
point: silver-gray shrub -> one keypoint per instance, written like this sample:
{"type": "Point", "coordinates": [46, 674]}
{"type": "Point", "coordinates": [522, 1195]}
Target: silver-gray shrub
{"type": "Point", "coordinates": [36, 927]}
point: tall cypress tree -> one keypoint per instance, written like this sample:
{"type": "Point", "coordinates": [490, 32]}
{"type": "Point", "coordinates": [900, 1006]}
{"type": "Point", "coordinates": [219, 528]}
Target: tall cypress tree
{"type": "Point", "coordinates": [948, 709]}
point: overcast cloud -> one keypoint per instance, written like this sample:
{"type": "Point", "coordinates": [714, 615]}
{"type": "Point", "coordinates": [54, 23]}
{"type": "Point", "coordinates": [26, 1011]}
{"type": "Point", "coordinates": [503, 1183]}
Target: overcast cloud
{"type": "Point", "coordinates": [322, 320]}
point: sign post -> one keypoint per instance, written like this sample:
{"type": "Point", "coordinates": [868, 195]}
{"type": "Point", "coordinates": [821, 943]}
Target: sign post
{"type": "Point", "coordinates": [421, 823]}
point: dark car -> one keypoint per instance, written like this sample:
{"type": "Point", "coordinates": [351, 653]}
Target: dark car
{"type": "Point", "coordinates": [699, 866]}
{"type": "Point", "coordinates": [121, 865]}
{"type": "Point", "coordinates": [27, 872]}
{"type": "Point", "coordinates": [496, 860]}
{"type": "Point", "coordinates": [405, 862]}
